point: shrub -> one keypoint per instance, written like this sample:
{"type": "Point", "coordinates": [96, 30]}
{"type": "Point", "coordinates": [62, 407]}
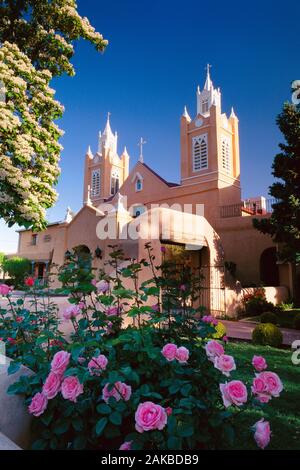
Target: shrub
{"type": "Point", "coordinates": [269, 317]}
{"type": "Point", "coordinates": [297, 321]}
{"type": "Point", "coordinates": [17, 269]}
{"type": "Point", "coordinates": [267, 334]}
{"type": "Point", "coordinates": [99, 388]}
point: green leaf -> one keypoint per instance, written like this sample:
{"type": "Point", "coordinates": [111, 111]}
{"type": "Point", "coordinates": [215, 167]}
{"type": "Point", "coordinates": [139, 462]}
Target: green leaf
{"type": "Point", "coordinates": [61, 427]}
{"type": "Point", "coordinates": [101, 425]}
{"type": "Point", "coordinates": [13, 367]}
{"type": "Point", "coordinates": [185, 430]}
{"type": "Point", "coordinates": [186, 389]}
{"type": "Point", "coordinates": [40, 444]}
{"type": "Point", "coordinates": [174, 443]}
{"type": "Point", "coordinates": [104, 409]}
{"type": "Point", "coordinates": [79, 442]}
{"type": "Point", "coordinates": [77, 351]}
{"type": "Point", "coordinates": [78, 424]}
{"type": "Point", "coordinates": [115, 418]}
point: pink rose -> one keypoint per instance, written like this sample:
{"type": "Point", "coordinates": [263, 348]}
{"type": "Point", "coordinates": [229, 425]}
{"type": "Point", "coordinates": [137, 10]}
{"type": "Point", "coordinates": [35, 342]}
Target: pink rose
{"type": "Point", "coordinates": [155, 307]}
{"type": "Point", "coordinates": [259, 388]}
{"type": "Point", "coordinates": [225, 364]}
{"type": "Point", "coordinates": [5, 289]}
{"type": "Point", "coordinates": [225, 339]}
{"type": "Point", "coordinates": [126, 445]}
{"type": "Point", "coordinates": [38, 404]}
{"type": "Point", "coordinates": [29, 282]}
{"type": "Point", "coordinates": [52, 385]}
{"type": "Point", "coordinates": [259, 363]}
{"type": "Point", "coordinates": [119, 391]}
{"type": "Point", "coordinates": [102, 286]}
{"type": "Point", "coordinates": [213, 349]}
{"type": "Point", "coordinates": [60, 362]}
{"type": "Point", "coordinates": [149, 416]}
{"type": "Point", "coordinates": [262, 433]}
{"type": "Point", "coordinates": [273, 383]}
{"type": "Point", "coordinates": [169, 411]}
{"type": "Point", "coordinates": [233, 393]}
{"type": "Point", "coordinates": [112, 311]}
{"type": "Point", "coordinates": [169, 351]}
{"type": "Point", "coordinates": [71, 388]}
{"type": "Point", "coordinates": [182, 355]}
{"type": "Point", "coordinates": [97, 364]}
{"type": "Point", "coordinates": [71, 312]}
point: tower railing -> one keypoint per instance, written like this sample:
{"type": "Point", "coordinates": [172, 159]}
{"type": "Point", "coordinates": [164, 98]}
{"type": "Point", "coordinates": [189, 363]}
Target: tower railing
{"type": "Point", "coordinates": [259, 207]}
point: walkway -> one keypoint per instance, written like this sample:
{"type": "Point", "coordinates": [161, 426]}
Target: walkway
{"type": "Point", "coordinates": [243, 330]}
{"type": "Point", "coordinates": [235, 329]}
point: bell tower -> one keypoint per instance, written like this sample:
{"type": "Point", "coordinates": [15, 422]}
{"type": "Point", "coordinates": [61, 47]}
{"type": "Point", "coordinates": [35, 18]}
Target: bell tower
{"type": "Point", "coordinates": [210, 146]}
{"type": "Point", "coordinates": [104, 171]}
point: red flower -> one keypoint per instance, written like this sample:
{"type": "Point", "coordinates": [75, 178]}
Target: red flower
{"type": "Point", "coordinates": [29, 282]}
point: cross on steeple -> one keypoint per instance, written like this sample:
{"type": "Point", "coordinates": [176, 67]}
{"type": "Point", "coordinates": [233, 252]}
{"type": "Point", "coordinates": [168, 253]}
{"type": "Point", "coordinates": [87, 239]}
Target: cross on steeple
{"type": "Point", "coordinates": [141, 143]}
{"type": "Point", "coordinates": [207, 68]}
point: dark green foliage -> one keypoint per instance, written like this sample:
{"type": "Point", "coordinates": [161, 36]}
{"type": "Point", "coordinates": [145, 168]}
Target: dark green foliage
{"type": "Point", "coordinates": [269, 317]}
{"type": "Point", "coordinates": [267, 334]}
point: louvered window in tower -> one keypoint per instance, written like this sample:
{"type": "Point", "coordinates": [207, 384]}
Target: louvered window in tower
{"type": "Point", "coordinates": [96, 184]}
{"type": "Point", "coordinates": [114, 182]}
{"type": "Point", "coordinates": [200, 153]}
{"type": "Point", "coordinates": [226, 155]}
{"type": "Point", "coordinates": [205, 106]}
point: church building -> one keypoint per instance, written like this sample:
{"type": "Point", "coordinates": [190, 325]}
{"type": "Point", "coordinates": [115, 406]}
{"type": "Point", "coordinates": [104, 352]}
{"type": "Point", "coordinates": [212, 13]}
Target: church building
{"type": "Point", "coordinates": [230, 252]}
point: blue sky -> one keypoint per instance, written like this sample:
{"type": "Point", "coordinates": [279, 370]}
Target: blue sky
{"type": "Point", "coordinates": [156, 57]}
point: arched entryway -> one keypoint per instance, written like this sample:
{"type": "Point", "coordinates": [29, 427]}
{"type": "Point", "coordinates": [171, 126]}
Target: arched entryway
{"type": "Point", "coordinates": [83, 254]}
{"type": "Point", "coordinates": [269, 272]}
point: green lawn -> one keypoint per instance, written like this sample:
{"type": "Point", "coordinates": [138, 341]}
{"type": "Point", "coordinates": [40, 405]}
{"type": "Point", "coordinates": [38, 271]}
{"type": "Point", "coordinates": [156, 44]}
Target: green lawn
{"type": "Point", "coordinates": [283, 413]}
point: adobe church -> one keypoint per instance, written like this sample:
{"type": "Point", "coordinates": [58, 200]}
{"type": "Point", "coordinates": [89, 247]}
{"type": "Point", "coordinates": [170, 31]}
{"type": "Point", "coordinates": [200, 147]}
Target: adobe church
{"type": "Point", "coordinates": [228, 249]}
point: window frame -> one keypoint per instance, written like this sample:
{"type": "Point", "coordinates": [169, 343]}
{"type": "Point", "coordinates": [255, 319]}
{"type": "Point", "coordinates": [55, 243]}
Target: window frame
{"type": "Point", "coordinates": [200, 139]}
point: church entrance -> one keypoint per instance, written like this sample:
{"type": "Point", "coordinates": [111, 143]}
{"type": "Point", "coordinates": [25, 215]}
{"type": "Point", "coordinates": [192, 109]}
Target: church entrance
{"type": "Point", "coordinates": [269, 272]}
{"type": "Point", "coordinates": [190, 266]}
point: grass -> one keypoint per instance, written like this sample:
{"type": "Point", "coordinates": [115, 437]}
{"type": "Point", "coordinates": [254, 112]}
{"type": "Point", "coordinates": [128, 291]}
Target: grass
{"type": "Point", "coordinates": [283, 413]}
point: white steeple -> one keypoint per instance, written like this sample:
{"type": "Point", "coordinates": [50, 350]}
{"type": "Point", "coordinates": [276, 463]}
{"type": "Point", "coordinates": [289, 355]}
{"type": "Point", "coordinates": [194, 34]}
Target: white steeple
{"type": "Point", "coordinates": [186, 114]}
{"type": "Point", "coordinates": [107, 139]}
{"type": "Point", "coordinates": [208, 97]}
{"type": "Point", "coordinates": [125, 153]}
{"type": "Point", "coordinates": [89, 152]}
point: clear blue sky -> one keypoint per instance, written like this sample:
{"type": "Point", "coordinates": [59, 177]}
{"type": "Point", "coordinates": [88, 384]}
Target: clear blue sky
{"type": "Point", "coordinates": [156, 57]}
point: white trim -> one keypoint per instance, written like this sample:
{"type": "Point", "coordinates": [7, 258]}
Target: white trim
{"type": "Point", "coordinates": [137, 175]}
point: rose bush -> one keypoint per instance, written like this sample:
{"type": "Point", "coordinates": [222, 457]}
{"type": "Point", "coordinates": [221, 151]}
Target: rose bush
{"type": "Point", "coordinates": [156, 382]}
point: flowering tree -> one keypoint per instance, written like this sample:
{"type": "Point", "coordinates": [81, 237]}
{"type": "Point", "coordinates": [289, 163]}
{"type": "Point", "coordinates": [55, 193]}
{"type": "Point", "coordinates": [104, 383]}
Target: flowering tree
{"type": "Point", "coordinates": [160, 383]}
{"type": "Point", "coordinates": [35, 44]}
{"type": "Point", "coordinates": [29, 148]}
{"type": "Point", "coordinates": [45, 29]}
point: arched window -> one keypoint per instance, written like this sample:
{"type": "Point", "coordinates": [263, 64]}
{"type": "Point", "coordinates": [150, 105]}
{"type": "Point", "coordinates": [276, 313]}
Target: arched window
{"type": "Point", "coordinates": [138, 185]}
{"type": "Point", "coordinates": [226, 155]}
{"type": "Point", "coordinates": [114, 182]}
{"type": "Point", "coordinates": [96, 183]}
{"type": "Point", "coordinates": [200, 153]}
